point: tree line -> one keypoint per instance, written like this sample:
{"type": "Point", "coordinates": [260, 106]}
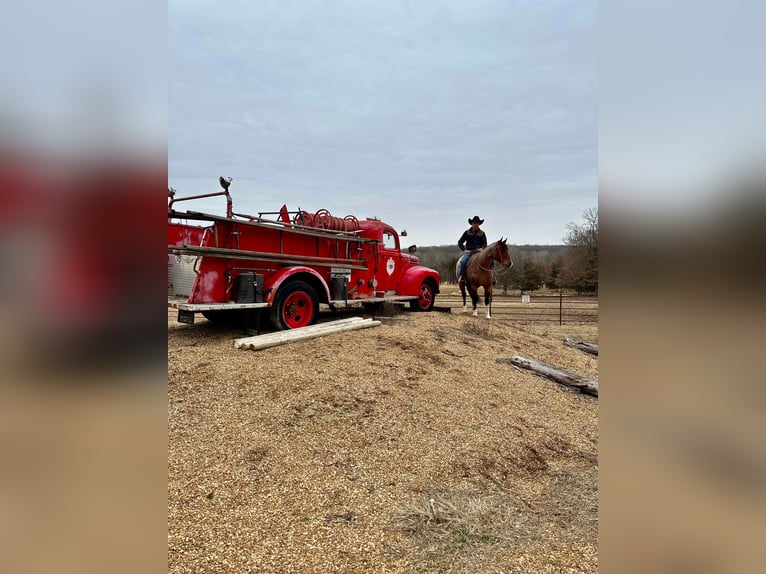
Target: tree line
{"type": "Point", "coordinates": [571, 265]}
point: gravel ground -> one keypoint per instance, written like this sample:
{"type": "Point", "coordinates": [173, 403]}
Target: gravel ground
{"type": "Point", "coordinates": [400, 448]}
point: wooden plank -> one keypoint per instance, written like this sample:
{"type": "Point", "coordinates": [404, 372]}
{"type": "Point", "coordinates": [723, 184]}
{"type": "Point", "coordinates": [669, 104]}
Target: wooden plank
{"type": "Point", "coordinates": [319, 330]}
{"type": "Point", "coordinates": [229, 305]}
{"type": "Point", "coordinates": [396, 299]}
{"type": "Point", "coordinates": [296, 333]}
{"type": "Point", "coordinates": [561, 376]}
{"type": "Point", "coordinates": [311, 328]}
{"type": "Point", "coordinates": [585, 347]}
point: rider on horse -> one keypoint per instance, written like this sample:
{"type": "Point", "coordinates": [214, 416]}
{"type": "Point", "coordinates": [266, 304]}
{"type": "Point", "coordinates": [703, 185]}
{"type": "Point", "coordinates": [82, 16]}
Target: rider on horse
{"type": "Point", "coordinates": [472, 241]}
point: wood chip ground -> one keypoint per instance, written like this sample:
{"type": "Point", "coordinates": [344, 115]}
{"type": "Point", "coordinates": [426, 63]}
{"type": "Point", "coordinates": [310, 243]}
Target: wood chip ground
{"type": "Point", "coordinates": [404, 448]}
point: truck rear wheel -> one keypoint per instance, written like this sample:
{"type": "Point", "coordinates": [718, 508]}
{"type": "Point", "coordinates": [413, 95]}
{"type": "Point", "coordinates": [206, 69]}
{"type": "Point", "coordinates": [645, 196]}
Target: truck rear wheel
{"type": "Point", "coordinates": [424, 302]}
{"type": "Point", "coordinates": [296, 305]}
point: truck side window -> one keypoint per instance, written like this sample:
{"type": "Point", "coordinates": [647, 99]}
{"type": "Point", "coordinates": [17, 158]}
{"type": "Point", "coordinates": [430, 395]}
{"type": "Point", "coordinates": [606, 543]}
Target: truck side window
{"type": "Point", "coordinates": [389, 240]}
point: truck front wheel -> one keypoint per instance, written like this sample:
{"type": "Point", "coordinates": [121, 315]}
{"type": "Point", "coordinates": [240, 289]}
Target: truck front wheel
{"type": "Point", "coordinates": [425, 301]}
{"type": "Point", "coordinates": [296, 305]}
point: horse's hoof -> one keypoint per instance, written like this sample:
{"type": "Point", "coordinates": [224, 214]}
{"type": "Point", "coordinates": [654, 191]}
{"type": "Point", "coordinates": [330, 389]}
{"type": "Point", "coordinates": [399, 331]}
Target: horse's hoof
{"type": "Point", "coordinates": [475, 314]}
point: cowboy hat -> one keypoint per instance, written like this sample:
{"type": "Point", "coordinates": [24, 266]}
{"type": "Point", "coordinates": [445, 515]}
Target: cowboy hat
{"type": "Point", "coordinates": [475, 219]}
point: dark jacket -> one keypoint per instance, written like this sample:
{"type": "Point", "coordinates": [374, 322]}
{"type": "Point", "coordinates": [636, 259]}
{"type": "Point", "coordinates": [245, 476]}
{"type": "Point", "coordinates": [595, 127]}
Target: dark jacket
{"type": "Point", "coordinates": [472, 241]}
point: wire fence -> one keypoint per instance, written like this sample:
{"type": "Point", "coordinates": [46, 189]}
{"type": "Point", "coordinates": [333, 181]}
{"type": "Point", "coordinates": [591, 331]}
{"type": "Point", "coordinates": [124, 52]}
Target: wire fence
{"type": "Point", "coordinates": [528, 308]}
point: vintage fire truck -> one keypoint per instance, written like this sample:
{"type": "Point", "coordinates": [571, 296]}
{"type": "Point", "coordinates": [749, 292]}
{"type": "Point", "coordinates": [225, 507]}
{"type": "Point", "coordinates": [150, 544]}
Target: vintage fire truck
{"type": "Point", "coordinates": [282, 265]}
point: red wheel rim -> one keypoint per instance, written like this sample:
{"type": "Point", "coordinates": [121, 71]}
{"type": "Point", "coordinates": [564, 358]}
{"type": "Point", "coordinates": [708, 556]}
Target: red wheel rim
{"type": "Point", "coordinates": [425, 296]}
{"type": "Point", "coordinates": [297, 310]}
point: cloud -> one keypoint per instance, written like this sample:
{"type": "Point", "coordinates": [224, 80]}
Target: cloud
{"type": "Point", "coordinates": [391, 107]}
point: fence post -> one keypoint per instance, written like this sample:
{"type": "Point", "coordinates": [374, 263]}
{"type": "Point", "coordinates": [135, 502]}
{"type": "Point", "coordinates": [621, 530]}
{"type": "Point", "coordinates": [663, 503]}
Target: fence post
{"type": "Point", "coordinates": [561, 307]}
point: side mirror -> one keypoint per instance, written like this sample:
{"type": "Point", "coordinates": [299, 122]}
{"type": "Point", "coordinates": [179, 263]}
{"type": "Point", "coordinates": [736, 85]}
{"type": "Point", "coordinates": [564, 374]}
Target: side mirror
{"type": "Point", "coordinates": [403, 233]}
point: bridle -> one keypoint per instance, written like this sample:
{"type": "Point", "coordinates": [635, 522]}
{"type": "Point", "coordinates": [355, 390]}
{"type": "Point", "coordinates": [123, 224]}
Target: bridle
{"type": "Point", "coordinates": [496, 247]}
{"type": "Point", "coordinates": [486, 269]}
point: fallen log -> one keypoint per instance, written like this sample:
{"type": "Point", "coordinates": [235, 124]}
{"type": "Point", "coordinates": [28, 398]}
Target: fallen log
{"type": "Point", "coordinates": [274, 339]}
{"type": "Point", "coordinates": [585, 347]}
{"type": "Point", "coordinates": [561, 376]}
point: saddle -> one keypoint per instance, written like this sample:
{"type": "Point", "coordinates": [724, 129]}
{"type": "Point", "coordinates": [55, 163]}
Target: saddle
{"type": "Point", "coordinates": [473, 253]}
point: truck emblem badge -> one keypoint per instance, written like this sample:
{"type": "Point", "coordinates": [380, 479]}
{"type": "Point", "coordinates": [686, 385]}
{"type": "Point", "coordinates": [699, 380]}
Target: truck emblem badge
{"type": "Point", "coordinates": [390, 266]}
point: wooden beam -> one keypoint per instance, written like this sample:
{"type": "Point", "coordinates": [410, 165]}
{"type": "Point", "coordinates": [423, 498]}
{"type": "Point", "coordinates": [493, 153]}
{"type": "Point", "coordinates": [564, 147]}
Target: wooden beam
{"type": "Point", "coordinates": [585, 347]}
{"type": "Point", "coordinates": [319, 330]}
{"type": "Point", "coordinates": [561, 376]}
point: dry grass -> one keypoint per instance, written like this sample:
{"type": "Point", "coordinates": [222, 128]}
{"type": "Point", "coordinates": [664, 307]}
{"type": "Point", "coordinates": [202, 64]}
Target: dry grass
{"type": "Point", "coordinates": [403, 448]}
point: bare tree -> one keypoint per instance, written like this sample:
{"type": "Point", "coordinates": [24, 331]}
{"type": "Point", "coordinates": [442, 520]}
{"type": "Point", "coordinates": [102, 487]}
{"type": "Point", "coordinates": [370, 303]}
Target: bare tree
{"type": "Point", "coordinates": [581, 270]}
{"type": "Point", "coordinates": [586, 234]}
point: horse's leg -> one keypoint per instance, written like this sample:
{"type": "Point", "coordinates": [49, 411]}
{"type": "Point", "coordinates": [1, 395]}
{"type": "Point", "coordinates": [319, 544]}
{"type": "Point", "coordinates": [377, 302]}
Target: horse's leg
{"type": "Point", "coordinates": [475, 300]}
{"type": "Point", "coordinates": [488, 300]}
{"type": "Point", "coordinates": [460, 283]}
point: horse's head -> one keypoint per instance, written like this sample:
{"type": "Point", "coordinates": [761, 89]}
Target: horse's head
{"type": "Point", "coordinates": [503, 254]}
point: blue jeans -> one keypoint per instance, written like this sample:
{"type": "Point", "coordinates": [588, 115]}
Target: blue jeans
{"type": "Point", "coordinates": [463, 261]}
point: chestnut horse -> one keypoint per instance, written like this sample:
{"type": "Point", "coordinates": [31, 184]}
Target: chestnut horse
{"type": "Point", "coordinates": [479, 273]}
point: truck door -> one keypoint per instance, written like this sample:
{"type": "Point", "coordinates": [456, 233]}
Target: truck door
{"type": "Point", "coordinates": [390, 264]}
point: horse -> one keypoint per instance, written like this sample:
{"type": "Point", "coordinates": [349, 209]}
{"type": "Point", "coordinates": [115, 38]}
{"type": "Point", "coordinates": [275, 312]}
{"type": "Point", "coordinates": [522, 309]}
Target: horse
{"type": "Point", "coordinates": [478, 273]}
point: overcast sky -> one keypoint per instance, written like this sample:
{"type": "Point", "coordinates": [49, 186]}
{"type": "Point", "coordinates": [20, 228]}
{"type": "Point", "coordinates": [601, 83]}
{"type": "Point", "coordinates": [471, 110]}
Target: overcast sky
{"type": "Point", "coordinates": [422, 114]}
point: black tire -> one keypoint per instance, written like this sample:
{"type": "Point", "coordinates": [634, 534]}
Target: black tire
{"type": "Point", "coordinates": [296, 305]}
{"type": "Point", "coordinates": [425, 302]}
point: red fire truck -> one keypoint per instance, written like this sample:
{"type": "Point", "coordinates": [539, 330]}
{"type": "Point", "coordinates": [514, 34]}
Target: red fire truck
{"type": "Point", "coordinates": [285, 265]}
